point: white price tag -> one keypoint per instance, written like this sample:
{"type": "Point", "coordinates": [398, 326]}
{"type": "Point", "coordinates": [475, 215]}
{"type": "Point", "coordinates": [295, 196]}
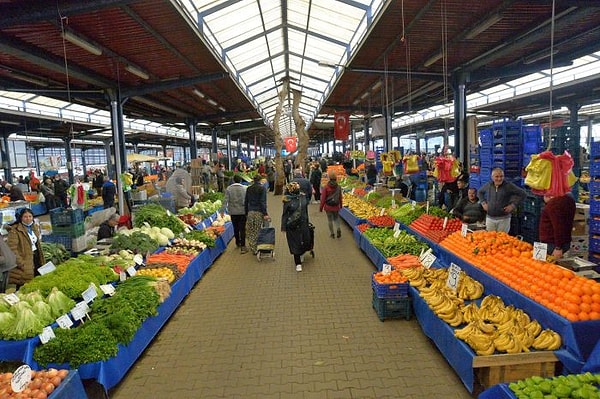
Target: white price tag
{"type": "Point", "coordinates": [428, 260]}
{"type": "Point", "coordinates": [463, 229]}
{"type": "Point", "coordinates": [108, 289]}
{"type": "Point", "coordinates": [396, 233]}
{"type": "Point", "coordinates": [445, 223]}
{"type": "Point", "coordinates": [352, 191]}
{"type": "Point", "coordinates": [168, 212]}
{"type": "Point", "coordinates": [540, 250]}
{"type": "Point", "coordinates": [427, 207]}
{"type": "Point", "coordinates": [122, 276]}
{"type": "Point", "coordinates": [138, 259]}
{"type": "Point", "coordinates": [64, 322]}
{"type": "Point", "coordinates": [11, 298]}
{"type": "Point", "coordinates": [47, 334]}
{"type": "Point", "coordinates": [79, 311]}
{"type": "Point", "coordinates": [21, 378]}
{"type": "Point", "coordinates": [453, 276]}
{"type": "Point", "coordinates": [396, 226]}
{"type": "Point", "coordinates": [47, 268]}
{"type": "Point", "coordinates": [131, 271]}
{"type": "Point", "coordinates": [393, 203]}
{"type": "Point", "coordinates": [382, 212]}
{"type": "Point", "coordinates": [90, 294]}
{"type": "Point", "coordinates": [386, 268]}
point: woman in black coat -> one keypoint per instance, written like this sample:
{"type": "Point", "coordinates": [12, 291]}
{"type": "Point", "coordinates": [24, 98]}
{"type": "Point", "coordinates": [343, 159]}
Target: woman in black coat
{"type": "Point", "coordinates": [294, 223]}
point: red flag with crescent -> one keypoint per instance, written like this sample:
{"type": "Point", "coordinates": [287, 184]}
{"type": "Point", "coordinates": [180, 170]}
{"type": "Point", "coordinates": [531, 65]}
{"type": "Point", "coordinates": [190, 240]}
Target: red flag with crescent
{"type": "Point", "coordinates": [341, 128]}
{"type": "Point", "coordinates": [291, 144]}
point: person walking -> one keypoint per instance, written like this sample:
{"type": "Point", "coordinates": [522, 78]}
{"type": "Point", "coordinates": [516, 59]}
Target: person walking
{"type": "Point", "coordinates": [24, 239]}
{"type": "Point", "coordinates": [315, 181]}
{"type": "Point", "coordinates": [556, 224]}
{"type": "Point", "coordinates": [220, 174]}
{"type": "Point", "coordinates": [499, 198]}
{"type": "Point", "coordinates": [255, 208]}
{"type": "Point", "coordinates": [294, 222]}
{"type": "Point", "coordinates": [235, 196]}
{"type": "Point", "coordinates": [60, 191]}
{"type": "Point", "coordinates": [331, 202]}
{"type": "Point", "coordinates": [109, 190]}
{"type": "Point", "coordinates": [47, 189]}
{"type": "Point", "coordinates": [305, 186]}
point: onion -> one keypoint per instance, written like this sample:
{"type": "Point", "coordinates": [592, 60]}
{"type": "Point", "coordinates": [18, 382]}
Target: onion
{"type": "Point", "coordinates": [63, 373]}
{"type": "Point", "coordinates": [36, 383]}
{"type": "Point", "coordinates": [52, 373]}
{"type": "Point", "coordinates": [48, 388]}
{"type": "Point", "coordinates": [56, 381]}
{"type": "Point", "coordinates": [40, 395]}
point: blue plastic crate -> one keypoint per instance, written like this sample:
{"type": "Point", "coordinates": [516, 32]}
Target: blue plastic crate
{"type": "Point", "coordinates": [65, 240]}
{"type": "Point", "coordinates": [397, 308]}
{"type": "Point", "coordinates": [594, 245]}
{"type": "Point", "coordinates": [486, 136]}
{"type": "Point", "coordinates": [529, 221]}
{"type": "Point", "coordinates": [594, 187]}
{"type": "Point", "coordinates": [389, 290]}
{"type": "Point", "coordinates": [65, 217]}
{"type": "Point", "coordinates": [595, 207]}
{"type": "Point", "coordinates": [595, 168]}
{"type": "Point", "coordinates": [507, 148]}
{"type": "Point", "coordinates": [595, 149]}
{"type": "Point", "coordinates": [595, 225]}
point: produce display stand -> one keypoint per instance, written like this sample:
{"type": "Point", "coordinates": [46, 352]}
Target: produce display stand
{"type": "Point", "coordinates": [466, 363]}
{"type": "Point", "coordinates": [580, 339]}
{"type": "Point", "coordinates": [110, 372]}
{"type": "Point", "coordinates": [581, 346]}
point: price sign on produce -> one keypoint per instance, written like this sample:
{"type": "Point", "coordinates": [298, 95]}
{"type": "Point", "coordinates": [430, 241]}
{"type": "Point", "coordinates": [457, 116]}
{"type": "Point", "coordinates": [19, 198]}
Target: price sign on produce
{"type": "Point", "coordinates": [64, 322]}
{"type": "Point", "coordinates": [47, 268]}
{"type": "Point", "coordinates": [428, 259]}
{"type": "Point", "coordinates": [11, 298]}
{"type": "Point", "coordinates": [396, 226]}
{"type": "Point", "coordinates": [453, 276]}
{"type": "Point", "coordinates": [21, 378]}
{"type": "Point", "coordinates": [131, 271]}
{"type": "Point", "coordinates": [108, 289]}
{"type": "Point", "coordinates": [386, 268]}
{"type": "Point", "coordinates": [80, 311]}
{"type": "Point", "coordinates": [90, 294]}
{"type": "Point", "coordinates": [47, 335]}
{"type": "Point", "coordinates": [138, 259]}
{"type": "Point", "coordinates": [397, 233]}
{"type": "Point", "coordinates": [540, 250]}
{"type": "Point", "coordinates": [463, 229]}
{"type": "Point", "coordinates": [382, 212]}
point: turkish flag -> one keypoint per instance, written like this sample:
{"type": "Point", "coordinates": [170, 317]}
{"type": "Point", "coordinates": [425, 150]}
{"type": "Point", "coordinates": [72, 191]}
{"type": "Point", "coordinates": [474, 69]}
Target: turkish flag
{"type": "Point", "coordinates": [341, 128]}
{"type": "Point", "coordinates": [291, 144]}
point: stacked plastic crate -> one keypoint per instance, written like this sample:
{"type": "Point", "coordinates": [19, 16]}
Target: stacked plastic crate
{"type": "Point", "coordinates": [68, 229]}
{"type": "Point", "coordinates": [507, 150]}
{"type": "Point", "coordinates": [594, 186]}
{"type": "Point", "coordinates": [529, 217]}
{"type": "Point", "coordinates": [563, 139]}
{"type": "Point", "coordinates": [532, 142]}
{"type": "Point", "coordinates": [485, 160]}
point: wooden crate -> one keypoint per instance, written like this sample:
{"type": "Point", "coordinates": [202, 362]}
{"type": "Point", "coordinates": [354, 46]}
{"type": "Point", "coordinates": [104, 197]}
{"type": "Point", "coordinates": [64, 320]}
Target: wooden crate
{"type": "Point", "coordinates": [506, 368]}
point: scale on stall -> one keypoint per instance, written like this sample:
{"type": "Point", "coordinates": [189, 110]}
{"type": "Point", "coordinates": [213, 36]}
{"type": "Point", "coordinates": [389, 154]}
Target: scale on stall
{"type": "Point", "coordinates": [580, 266]}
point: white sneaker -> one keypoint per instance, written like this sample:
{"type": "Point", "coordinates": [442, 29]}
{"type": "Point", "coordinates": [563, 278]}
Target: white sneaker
{"type": "Point", "coordinates": [298, 268]}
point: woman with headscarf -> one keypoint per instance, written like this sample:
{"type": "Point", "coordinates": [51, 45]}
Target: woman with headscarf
{"type": "Point", "coordinates": [294, 222]}
{"type": "Point", "coordinates": [331, 202]}
{"type": "Point", "coordinates": [181, 196]}
{"type": "Point", "coordinates": [255, 206]}
{"type": "Point", "coordinates": [24, 240]}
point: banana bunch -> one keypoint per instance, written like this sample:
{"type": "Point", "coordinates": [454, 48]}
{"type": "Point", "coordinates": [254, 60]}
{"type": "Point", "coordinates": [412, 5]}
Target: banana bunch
{"type": "Point", "coordinates": [547, 340]}
{"type": "Point", "coordinates": [361, 209]}
{"type": "Point", "coordinates": [443, 303]}
{"type": "Point", "coordinates": [509, 343]}
{"type": "Point", "coordinates": [468, 288]}
{"type": "Point", "coordinates": [470, 312]}
{"type": "Point", "coordinates": [415, 276]}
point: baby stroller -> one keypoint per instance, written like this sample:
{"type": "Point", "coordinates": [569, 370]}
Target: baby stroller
{"type": "Point", "coordinates": [265, 242]}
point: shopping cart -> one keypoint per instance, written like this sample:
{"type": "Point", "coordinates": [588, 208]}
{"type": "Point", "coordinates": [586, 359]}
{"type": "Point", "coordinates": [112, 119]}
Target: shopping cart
{"type": "Point", "coordinates": [265, 243]}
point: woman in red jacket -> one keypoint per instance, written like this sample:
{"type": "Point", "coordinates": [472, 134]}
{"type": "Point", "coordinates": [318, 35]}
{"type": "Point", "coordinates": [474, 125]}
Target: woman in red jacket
{"type": "Point", "coordinates": [331, 202]}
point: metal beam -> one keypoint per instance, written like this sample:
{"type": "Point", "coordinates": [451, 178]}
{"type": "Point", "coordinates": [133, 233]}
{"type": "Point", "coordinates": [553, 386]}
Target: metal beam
{"type": "Point", "coordinates": [171, 84]}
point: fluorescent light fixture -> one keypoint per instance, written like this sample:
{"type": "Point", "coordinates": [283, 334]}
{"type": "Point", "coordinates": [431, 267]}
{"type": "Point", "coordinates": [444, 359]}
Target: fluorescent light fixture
{"type": "Point", "coordinates": [356, 102]}
{"type": "Point", "coordinates": [222, 109]}
{"type": "Point", "coordinates": [199, 93]}
{"type": "Point", "coordinates": [212, 102]}
{"type": "Point", "coordinates": [138, 72]}
{"type": "Point", "coordinates": [483, 26]}
{"type": "Point", "coordinates": [12, 123]}
{"type": "Point", "coordinates": [27, 78]}
{"type": "Point", "coordinates": [538, 57]}
{"type": "Point", "coordinates": [433, 59]}
{"type": "Point", "coordinates": [376, 85]}
{"type": "Point", "coordinates": [80, 42]}
{"type": "Point", "coordinates": [328, 64]}
{"type": "Point", "coordinates": [365, 95]}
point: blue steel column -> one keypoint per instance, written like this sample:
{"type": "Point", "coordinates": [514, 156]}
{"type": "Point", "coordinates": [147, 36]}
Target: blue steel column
{"type": "Point", "coordinates": [6, 159]}
{"type": "Point", "coordinates": [229, 164]}
{"type": "Point", "coordinates": [193, 143]}
{"type": "Point", "coordinates": [460, 115]}
{"type": "Point", "coordinates": [69, 160]}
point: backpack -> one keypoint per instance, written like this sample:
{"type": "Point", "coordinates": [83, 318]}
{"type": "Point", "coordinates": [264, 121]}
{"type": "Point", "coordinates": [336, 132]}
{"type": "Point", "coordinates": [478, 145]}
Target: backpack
{"type": "Point", "coordinates": [333, 199]}
{"type": "Point", "coordinates": [295, 219]}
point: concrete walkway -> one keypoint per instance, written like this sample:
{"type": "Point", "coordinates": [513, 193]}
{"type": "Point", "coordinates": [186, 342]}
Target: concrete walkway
{"type": "Point", "coordinates": [253, 329]}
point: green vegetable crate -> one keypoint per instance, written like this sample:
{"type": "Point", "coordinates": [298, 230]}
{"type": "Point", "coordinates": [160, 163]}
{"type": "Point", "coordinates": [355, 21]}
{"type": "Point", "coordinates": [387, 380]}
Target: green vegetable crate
{"type": "Point", "coordinates": [65, 217]}
{"type": "Point", "coordinates": [74, 230]}
{"type": "Point", "coordinates": [66, 241]}
{"type": "Point", "coordinates": [397, 308]}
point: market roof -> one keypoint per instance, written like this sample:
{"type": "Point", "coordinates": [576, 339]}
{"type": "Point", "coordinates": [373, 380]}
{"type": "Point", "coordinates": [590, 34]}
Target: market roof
{"type": "Point", "coordinates": [220, 63]}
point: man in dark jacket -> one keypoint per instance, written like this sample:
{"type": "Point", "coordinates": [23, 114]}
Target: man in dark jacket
{"type": "Point", "coordinates": [556, 224]}
{"type": "Point", "coordinates": [499, 198]}
{"type": "Point", "coordinates": [60, 191]}
{"type": "Point", "coordinates": [109, 190]}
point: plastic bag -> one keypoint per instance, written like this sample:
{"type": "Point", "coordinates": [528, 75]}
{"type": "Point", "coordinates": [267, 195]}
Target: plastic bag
{"type": "Point", "coordinates": [411, 164]}
{"type": "Point", "coordinates": [539, 173]}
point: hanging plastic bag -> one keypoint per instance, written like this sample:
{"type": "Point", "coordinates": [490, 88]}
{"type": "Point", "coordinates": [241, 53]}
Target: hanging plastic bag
{"type": "Point", "coordinates": [443, 169]}
{"type": "Point", "coordinates": [411, 164]}
{"type": "Point", "coordinates": [539, 173]}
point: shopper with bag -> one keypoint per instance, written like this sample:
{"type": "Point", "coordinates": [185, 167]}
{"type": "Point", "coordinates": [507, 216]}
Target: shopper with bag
{"type": "Point", "coordinates": [331, 202]}
{"type": "Point", "coordinates": [294, 223]}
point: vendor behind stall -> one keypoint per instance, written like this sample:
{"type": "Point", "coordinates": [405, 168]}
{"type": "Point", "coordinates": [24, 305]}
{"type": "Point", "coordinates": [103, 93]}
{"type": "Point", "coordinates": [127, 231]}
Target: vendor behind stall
{"type": "Point", "coordinates": [15, 193]}
{"type": "Point", "coordinates": [108, 227]}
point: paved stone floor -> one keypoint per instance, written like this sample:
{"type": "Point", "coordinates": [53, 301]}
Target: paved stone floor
{"type": "Point", "coordinates": [253, 329]}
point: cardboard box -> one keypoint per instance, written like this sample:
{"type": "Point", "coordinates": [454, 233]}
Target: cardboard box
{"type": "Point", "coordinates": [580, 228]}
{"type": "Point", "coordinates": [582, 212]}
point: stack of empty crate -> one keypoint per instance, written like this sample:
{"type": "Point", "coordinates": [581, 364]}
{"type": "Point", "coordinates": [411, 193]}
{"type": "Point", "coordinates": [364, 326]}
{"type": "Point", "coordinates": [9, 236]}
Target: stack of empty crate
{"type": "Point", "coordinates": [507, 150]}
{"type": "Point", "coordinates": [391, 301]}
{"type": "Point", "coordinates": [529, 217]}
{"type": "Point", "coordinates": [68, 229]}
{"type": "Point", "coordinates": [484, 160]}
{"type": "Point", "coordinates": [532, 142]}
{"type": "Point", "coordinates": [594, 217]}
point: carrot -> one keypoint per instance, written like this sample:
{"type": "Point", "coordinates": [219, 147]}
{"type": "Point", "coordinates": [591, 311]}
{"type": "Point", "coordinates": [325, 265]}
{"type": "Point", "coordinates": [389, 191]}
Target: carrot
{"type": "Point", "coordinates": [182, 261]}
